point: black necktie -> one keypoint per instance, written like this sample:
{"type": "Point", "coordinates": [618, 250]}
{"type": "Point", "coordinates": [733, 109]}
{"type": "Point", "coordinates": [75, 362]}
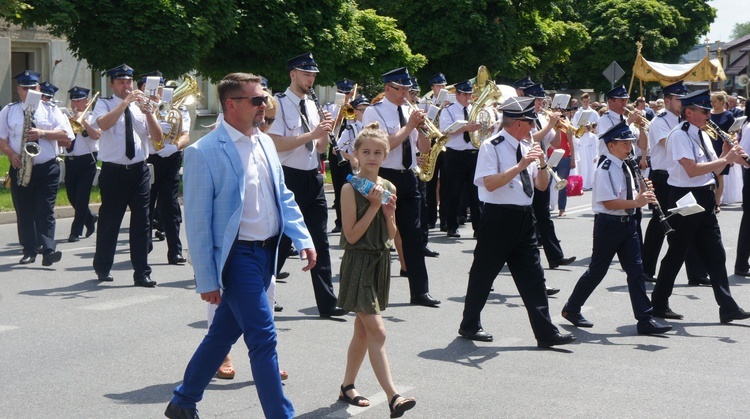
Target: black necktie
{"type": "Point", "coordinates": [129, 141]}
{"type": "Point", "coordinates": [305, 124]}
{"type": "Point", "coordinates": [467, 137]}
{"type": "Point", "coordinates": [406, 145]}
{"type": "Point", "coordinates": [525, 179]}
{"type": "Point", "coordinates": [538, 124]}
{"type": "Point", "coordinates": [628, 185]}
{"type": "Point", "coordinates": [708, 156]}
{"type": "Point", "coordinates": [622, 118]}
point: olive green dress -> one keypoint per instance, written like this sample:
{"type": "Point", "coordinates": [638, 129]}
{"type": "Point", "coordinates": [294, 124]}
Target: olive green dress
{"type": "Point", "coordinates": [365, 277]}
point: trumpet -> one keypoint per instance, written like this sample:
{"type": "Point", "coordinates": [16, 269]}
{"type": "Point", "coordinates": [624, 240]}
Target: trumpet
{"type": "Point", "coordinates": [716, 133]}
{"type": "Point", "coordinates": [77, 123]}
{"type": "Point", "coordinates": [144, 102]}
{"type": "Point", "coordinates": [565, 125]}
{"type": "Point", "coordinates": [642, 122]}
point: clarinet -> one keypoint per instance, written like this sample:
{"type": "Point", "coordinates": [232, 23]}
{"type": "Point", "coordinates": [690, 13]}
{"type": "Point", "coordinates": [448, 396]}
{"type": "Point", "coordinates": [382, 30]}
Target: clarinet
{"type": "Point", "coordinates": [331, 136]}
{"type": "Point", "coordinates": [657, 208]}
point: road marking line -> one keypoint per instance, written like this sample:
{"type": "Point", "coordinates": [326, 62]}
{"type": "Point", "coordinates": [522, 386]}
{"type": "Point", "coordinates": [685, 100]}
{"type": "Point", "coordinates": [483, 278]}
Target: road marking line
{"type": "Point", "coordinates": [375, 399]}
{"type": "Point", "coordinates": [123, 302]}
{"type": "Point", "coordinates": [7, 328]}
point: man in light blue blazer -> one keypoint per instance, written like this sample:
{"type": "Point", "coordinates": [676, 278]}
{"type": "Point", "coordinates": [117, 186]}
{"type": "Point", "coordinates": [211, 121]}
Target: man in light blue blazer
{"type": "Point", "coordinates": [236, 207]}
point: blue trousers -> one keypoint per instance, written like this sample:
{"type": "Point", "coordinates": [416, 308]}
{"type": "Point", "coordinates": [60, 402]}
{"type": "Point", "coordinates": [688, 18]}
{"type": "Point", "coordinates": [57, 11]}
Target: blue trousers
{"type": "Point", "coordinates": [244, 311]}
{"type": "Point", "coordinates": [563, 170]}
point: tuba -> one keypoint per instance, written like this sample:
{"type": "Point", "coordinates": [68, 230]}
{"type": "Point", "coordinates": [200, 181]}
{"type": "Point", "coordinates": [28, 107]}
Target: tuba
{"type": "Point", "coordinates": [426, 170]}
{"type": "Point", "coordinates": [186, 91]}
{"type": "Point", "coordinates": [485, 92]}
{"type": "Point", "coordinates": [77, 123]}
{"type": "Point", "coordinates": [29, 149]}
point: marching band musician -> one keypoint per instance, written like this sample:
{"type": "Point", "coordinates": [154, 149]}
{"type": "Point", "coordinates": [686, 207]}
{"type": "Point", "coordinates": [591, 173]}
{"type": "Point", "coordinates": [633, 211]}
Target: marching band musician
{"type": "Point", "coordinates": [437, 82]}
{"type": "Point", "coordinates": [460, 161]}
{"type": "Point", "coordinates": [544, 133]}
{"type": "Point", "coordinates": [166, 187]}
{"type": "Point", "coordinates": [300, 137]}
{"type": "Point", "coordinates": [35, 202]}
{"type": "Point", "coordinates": [504, 175]}
{"type": "Point", "coordinates": [126, 123]}
{"type": "Point", "coordinates": [615, 232]}
{"type": "Point", "coordinates": [659, 129]}
{"type": "Point", "coordinates": [352, 128]}
{"type": "Point", "coordinates": [339, 172]}
{"type": "Point", "coordinates": [80, 166]}
{"type": "Point", "coordinates": [693, 169]}
{"type": "Point", "coordinates": [521, 85]}
{"type": "Point", "coordinates": [48, 91]}
{"type": "Point", "coordinates": [617, 99]}
{"type": "Point", "coordinates": [400, 126]}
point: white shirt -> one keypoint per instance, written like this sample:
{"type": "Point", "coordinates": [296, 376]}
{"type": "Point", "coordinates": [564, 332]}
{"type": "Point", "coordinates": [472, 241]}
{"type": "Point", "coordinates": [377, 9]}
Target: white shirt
{"type": "Point", "coordinates": [385, 113]}
{"type": "Point", "coordinates": [497, 157]}
{"type": "Point", "coordinates": [545, 142]}
{"type": "Point", "coordinates": [46, 117]}
{"type": "Point", "coordinates": [84, 145]}
{"type": "Point", "coordinates": [659, 130]}
{"type": "Point", "coordinates": [112, 141]}
{"type": "Point", "coordinates": [610, 183]}
{"type": "Point", "coordinates": [166, 128]}
{"type": "Point", "coordinates": [260, 218]}
{"type": "Point", "coordinates": [593, 116]}
{"type": "Point", "coordinates": [452, 113]}
{"type": "Point", "coordinates": [608, 120]}
{"type": "Point", "coordinates": [685, 144]}
{"type": "Point", "coordinates": [346, 139]}
{"type": "Point", "coordinates": [289, 124]}
{"type": "Point", "coordinates": [745, 141]}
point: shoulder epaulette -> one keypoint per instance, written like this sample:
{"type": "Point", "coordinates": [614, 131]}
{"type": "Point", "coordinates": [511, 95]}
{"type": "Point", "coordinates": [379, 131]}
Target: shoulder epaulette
{"type": "Point", "coordinates": [14, 103]}
{"type": "Point", "coordinates": [449, 105]}
{"type": "Point", "coordinates": [280, 95]}
{"type": "Point", "coordinates": [49, 104]}
{"type": "Point", "coordinates": [498, 140]}
{"type": "Point", "coordinates": [605, 165]}
{"type": "Point", "coordinates": [685, 126]}
{"type": "Point", "coordinates": [376, 104]}
{"type": "Point", "coordinates": [182, 108]}
{"type": "Point", "coordinates": [661, 115]}
{"type": "Point", "coordinates": [108, 97]}
{"type": "Point", "coordinates": [605, 113]}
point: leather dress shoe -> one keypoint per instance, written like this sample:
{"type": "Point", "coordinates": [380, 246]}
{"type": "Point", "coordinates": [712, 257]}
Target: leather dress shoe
{"type": "Point", "coordinates": [576, 319]}
{"type": "Point", "coordinates": [160, 235]}
{"type": "Point", "coordinates": [293, 252]}
{"type": "Point", "coordinates": [282, 275]}
{"type": "Point", "coordinates": [738, 314]}
{"type": "Point", "coordinates": [26, 259]}
{"type": "Point", "coordinates": [742, 272]}
{"type": "Point", "coordinates": [277, 308]}
{"type": "Point", "coordinates": [51, 257]}
{"type": "Point", "coordinates": [552, 291]}
{"type": "Point", "coordinates": [174, 412]}
{"type": "Point", "coordinates": [652, 327]}
{"type": "Point", "coordinates": [91, 228]}
{"type": "Point", "coordinates": [425, 300]}
{"type": "Point", "coordinates": [666, 313]}
{"type": "Point", "coordinates": [702, 281]}
{"type": "Point", "coordinates": [73, 238]}
{"type": "Point", "coordinates": [430, 226]}
{"type": "Point", "coordinates": [650, 278]}
{"type": "Point", "coordinates": [403, 273]}
{"type": "Point", "coordinates": [561, 262]}
{"type": "Point", "coordinates": [462, 220]}
{"type": "Point", "coordinates": [479, 335]}
{"type": "Point", "coordinates": [146, 282]}
{"type": "Point", "coordinates": [336, 312]}
{"type": "Point", "coordinates": [454, 233]}
{"type": "Point", "coordinates": [443, 228]}
{"type": "Point", "coordinates": [429, 252]}
{"type": "Point", "coordinates": [336, 229]}
{"type": "Point", "coordinates": [177, 260]}
{"type": "Point", "coordinates": [556, 340]}
{"type": "Point", "coordinates": [105, 276]}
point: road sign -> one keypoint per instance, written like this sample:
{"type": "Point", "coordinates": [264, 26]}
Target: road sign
{"type": "Point", "coordinates": [613, 72]}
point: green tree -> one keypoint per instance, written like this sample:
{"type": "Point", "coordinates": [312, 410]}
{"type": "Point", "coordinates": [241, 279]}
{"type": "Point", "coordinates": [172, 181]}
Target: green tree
{"type": "Point", "coordinates": [12, 8]}
{"type": "Point", "coordinates": [740, 29]}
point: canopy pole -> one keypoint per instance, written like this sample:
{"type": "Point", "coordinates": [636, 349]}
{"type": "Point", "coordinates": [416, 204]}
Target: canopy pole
{"type": "Point", "coordinates": [639, 46]}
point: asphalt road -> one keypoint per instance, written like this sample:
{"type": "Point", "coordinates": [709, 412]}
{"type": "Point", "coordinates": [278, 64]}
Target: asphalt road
{"type": "Point", "coordinates": [71, 347]}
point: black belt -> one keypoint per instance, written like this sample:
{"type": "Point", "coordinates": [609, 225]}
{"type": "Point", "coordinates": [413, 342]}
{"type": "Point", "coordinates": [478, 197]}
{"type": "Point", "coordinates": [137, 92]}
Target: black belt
{"type": "Point", "coordinates": [81, 156]}
{"type": "Point", "coordinates": [520, 208]}
{"type": "Point", "coordinates": [660, 172]}
{"type": "Point", "coordinates": [137, 165]}
{"type": "Point", "coordinates": [618, 218]}
{"type": "Point", "coordinates": [263, 244]}
{"type": "Point", "coordinates": [711, 187]}
{"type": "Point", "coordinates": [394, 171]}
{"type": "Point", "coordinates": [470, 151]}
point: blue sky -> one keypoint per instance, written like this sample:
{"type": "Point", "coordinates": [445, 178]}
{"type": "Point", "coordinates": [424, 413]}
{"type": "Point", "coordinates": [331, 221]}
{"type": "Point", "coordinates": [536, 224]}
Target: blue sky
{"type": "Point", "coordinates": [729, 12]}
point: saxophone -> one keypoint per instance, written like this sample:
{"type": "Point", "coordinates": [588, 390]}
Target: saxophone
{"type": "Point", "coordinates": [29, 149]}
{"type": "Point", "coordinates": [426, 170]}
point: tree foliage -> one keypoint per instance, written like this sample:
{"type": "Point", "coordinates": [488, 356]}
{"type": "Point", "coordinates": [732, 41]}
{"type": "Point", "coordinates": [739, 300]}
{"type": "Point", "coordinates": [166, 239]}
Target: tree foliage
{"type": "Point", "coordinates": [740, 29]}
{"type": "Point", "coordinates": [13, 8]}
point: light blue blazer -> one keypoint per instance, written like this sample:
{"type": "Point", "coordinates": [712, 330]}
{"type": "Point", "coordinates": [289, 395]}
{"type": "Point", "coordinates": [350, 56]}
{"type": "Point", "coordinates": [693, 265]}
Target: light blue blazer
{"type": "Point", "coordinates": [214, 192]}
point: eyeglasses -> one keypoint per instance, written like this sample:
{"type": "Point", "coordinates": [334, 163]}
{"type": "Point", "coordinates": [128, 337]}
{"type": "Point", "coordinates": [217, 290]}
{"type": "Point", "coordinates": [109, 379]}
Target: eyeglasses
{"type": "Point", "coordinates": [398, 88]}
{"type": "Point", "coordinates": [255, 100]}
{"type": "Point", "coordinates": [269, 121]}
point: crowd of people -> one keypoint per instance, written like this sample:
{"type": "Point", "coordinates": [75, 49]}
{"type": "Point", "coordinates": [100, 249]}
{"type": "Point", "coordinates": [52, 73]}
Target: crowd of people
{"type": "Point", "coordinates": [253, 188]}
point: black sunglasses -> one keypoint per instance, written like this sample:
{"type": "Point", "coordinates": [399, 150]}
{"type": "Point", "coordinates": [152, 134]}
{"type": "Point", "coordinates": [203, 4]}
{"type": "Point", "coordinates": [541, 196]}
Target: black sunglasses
{"type": "Point", "coordinates": [255, 100]}
{"type": "Point", "coordinates": [269, 121]}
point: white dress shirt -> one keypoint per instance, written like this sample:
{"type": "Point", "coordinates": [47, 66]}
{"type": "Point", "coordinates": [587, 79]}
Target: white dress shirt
{"type": "Point", "coordinates": [385, 113]}
{"type": "Point", "coordinates": [497, 158]}
{"type": "Point", "coordinates": [112, 140]}
{"type": "Point", "coordinates": [452, 113]}
{"type": "Point", "coordinates": [610, 184]}
{"type": "Point", "coordinates": [46, 117]}
{"type": "Point", "coordinates": [686, 144]}
{"type": "Point", "coordinates": [289, 124]}
{"type": "Point", "coordinates": [658, 132]}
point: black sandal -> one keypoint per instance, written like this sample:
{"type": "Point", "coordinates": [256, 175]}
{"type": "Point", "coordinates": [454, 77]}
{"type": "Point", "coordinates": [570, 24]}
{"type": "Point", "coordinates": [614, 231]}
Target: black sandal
{"type": "Point", "coordinates": [398, 410]}
{"type": "Point", "coordinates": [352, 401]}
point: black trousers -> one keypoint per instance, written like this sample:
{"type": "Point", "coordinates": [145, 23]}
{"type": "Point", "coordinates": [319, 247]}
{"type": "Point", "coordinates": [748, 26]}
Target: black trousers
{"type": "Point", "coordinates": [79, 179]}
{"type": "Point", "coordinates": [165, 191]}
{"type": "Point", "coordinates": [654, 236]}
{"type": "Point", "coordinates": [743, 237]}
{"type": "Point", "coordinates": [506, 235]}
{"type": "Point", "coordinates": [423, 225]}
{"type": "Point", "coordinates": [458, 177]}
{"type": "Point", "coordinates": [545, 227]}
{"type": "Point", "coordinates": [432, 195]}
{"type": "Point", "coordinates": [338, 178]}
{"type": "Point", "coordinates": [307, 186]}
{"type": "Point", "coordinates": [703, 230]}
{"type": "Point", "coordinates": [35, 207]}
{"type": "Point", "coordinates": [614, 236]}
{"type": "Point", "coordinates": [123, 187]}
{"type": "Point", "coordinates": [409, 225]}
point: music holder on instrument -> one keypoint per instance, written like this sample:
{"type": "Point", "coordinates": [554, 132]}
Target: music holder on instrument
{"type": "Point", "coordinates": [686, 206]}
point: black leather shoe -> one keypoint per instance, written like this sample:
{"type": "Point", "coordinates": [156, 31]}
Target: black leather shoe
{"type": "Point", "coordinates": [650, 278]}
{"type": "Point", "coordinates": [443, 228]}
{"type": "Point", "coordinates": [430, 226]}
{"type": "Point", "coordinates": [26, 259]}
{"type": "Point", "coordinates": [552, 291]}
{"type": "Point", "coordinates": [429, 252]}
{"type": "Point", "coordinates": [425, 300]}
{"type": "Point", "coordinates": [667, 313]}
{"type": "Point", "coordinates": [177, 260]}
{"type": "Point", "coordinates": [454, 233]}
{"type": "Point", "coordinates": [556, 340]}
{"type": "Point", "coordinates": [742, 272]}
{"type": "Point", "coordinates": [652, 327]}
{"type": "Point", "coordinates": [336, 229]}
{"type": "Point", "coordinates": [479, 335]}
{"type": "Point", "coordinates": [293, 252]}
{"type": "Point", "coordinates": [174, 412]}
{"type": "Point", "coordinates": [562, 262]}
{"type": "Point", "coordinates": [51, 257]}
{"type": "Point", "coordinates": [105, 277]}
{"type": "Point", "coordinates": [146, 282]}
{"type": "Point", "coordinates": [702, 281]}
{"type": "Point", "coordinates": [738, 314]}
{"type": "Point", "coordinates": [576, 319]}
{"type": "Point", "coordinates": [462, 220]}
{"type": "Point", "coordinates": [73, 238]}
{"type": "Point", "coordinates": [277, 308]}
{"type": "Point", "coordinates": [336, 312]}
{"type": "Point", "coordinates": [160, 235]}
{"type": "Point", "coordinates": [282, 275]}
{"type": "Point", "coordinates": [91, 228]}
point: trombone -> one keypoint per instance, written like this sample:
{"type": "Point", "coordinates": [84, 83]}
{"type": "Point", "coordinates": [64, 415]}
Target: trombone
{"type": "Point", "coordinates": [76, 124]}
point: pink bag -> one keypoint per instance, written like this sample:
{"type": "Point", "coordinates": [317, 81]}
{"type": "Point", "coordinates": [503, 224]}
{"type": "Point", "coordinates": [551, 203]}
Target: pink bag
{"type": "Point", "coordinates": [575, 185]}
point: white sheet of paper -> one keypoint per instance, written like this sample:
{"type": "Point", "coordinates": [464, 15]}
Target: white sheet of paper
{"type": "Point", "coordinates": [152, 84]}
{"type": "Point", "coordinates": [555, 157]}
{"type": "Point", "coordinates": [560, 101]}
{"type": "Point", "coordinates": [584, 118]}
{"type": "Point", "coordinates": [737, 125]}
{"type": "Point", "coordinates": [451, 98]}
{"type": "Point", "coordinates": [456, 126]}
{"type": "Point", "coordinates": [166, 94]}
{"type": "Point", "coordinates": [442, 96]}
{"type": "Point", "coordinates": [33, 97]}
{"type": "Point", "coordinates": [340, 98]}
{"type": "Point", "coordinates": [687, 206]}
{"type": "Point", "coordinates": [432, 112]}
